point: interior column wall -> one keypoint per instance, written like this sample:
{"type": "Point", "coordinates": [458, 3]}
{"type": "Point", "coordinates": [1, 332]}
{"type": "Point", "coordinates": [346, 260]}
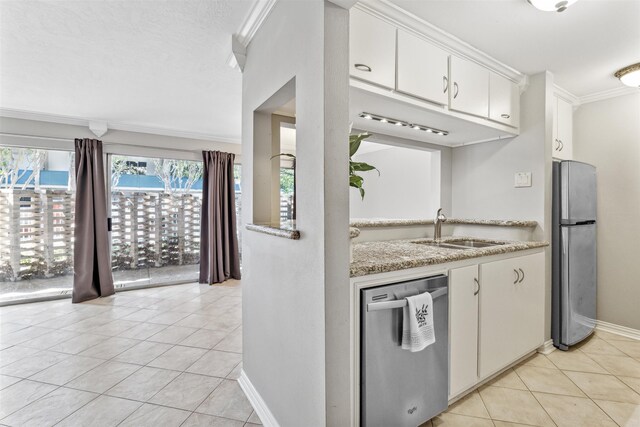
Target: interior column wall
{"type": "Point", "coordinates": [295, 292]}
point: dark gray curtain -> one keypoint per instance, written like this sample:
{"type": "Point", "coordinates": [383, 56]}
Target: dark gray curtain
{"type": "Point", "coordinates": [92, 268]}
{"type": "Point", "coordinates": [219, 254]}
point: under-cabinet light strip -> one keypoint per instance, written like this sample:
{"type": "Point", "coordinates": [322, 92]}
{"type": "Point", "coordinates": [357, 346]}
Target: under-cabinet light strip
{"type": "Point", "coordinates": [395, 122]}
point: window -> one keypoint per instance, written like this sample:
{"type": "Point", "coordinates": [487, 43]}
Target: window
{"type": "Point", "coordinates": [37, 198]}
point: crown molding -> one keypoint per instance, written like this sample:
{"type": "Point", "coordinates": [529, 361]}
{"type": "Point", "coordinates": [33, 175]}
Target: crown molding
{"type": "Point", "coordinates": [566, 95]}
{"type": "Point", "coordinates": [252, 22]}
{"type": "Point", "coordinates": [576, 101]}
{"type": "Point", "coordinates": [78, 121]}
{"type": "Point", "coordinates": [393, 14]}
{"type": "Point", "coordinates": [606, 94]}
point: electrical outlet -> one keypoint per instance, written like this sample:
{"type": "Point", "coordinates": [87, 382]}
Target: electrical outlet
{"type": "Point", "coordinates": [523, 179]}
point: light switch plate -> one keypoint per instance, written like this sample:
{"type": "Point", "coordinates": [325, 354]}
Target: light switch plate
{"type": "Point", "coordinates": [523, 179]}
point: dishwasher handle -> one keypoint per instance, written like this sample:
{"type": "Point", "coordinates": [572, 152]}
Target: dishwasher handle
{"type": "Point", "coordinates": [399, 303]}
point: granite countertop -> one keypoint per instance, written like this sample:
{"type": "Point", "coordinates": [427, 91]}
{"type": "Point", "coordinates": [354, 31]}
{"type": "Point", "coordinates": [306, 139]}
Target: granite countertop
{"type": "Point", "coordinates": [372, 223]}
{"type": "Point", "coordinates": [393, 255]}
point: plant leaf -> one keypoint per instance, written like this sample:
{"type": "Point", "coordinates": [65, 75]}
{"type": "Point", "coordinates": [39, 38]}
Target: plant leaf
{"type": "Point", "coordinates": [355, 181]}
{"type": "Point", "coordinates": [363, 167]}
{"type": "Point", "coordinates": [354, 142]}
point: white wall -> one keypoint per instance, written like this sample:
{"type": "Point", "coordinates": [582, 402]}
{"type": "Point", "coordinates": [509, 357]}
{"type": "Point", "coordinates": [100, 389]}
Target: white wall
{"type": "Point", "coordinates": [607, 135]}
{"type": "Point", "coordinates": [408, 185]}
{"type": "Point", "coordinates": [483, 174]}
{"type": "Point", "coordinates": [296, 343]}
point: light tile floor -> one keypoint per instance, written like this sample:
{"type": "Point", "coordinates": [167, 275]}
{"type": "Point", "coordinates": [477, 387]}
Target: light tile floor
{"type": "Point", "coordinates": [170, 356]}
{"type": "Point", "coordinates": [166, 356]}
{"type": "Point", "coordinates": [596, 384]}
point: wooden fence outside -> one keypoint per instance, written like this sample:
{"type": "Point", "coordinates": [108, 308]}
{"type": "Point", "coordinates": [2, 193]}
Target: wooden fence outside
{"type": "Point", "coordinates": [149, 229]}
{"type": "Point", "coordinates": [154, 229]}
{"type": "Point", "coordinates": [36, 233]}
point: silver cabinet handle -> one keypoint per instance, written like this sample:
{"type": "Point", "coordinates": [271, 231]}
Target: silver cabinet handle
{"type": "Point", "coordinates": [517, 276]}
{"type": "Point", "coordinates": [362, 67]}
{"type": "Point", "coordinates": [520, 281]}
{"type": "Point", "coordinates": [505, 116]}
{"type": "Point", "coordinates": [455, 90]}
{"type": "Point", "coordinates": [445, 82]}
{"type": "Point", "coordinates": [561, 144]}
{"type": "Point", "coordinates": [475, 279]}
{"type": "Point", "coordinates": [557, 144]}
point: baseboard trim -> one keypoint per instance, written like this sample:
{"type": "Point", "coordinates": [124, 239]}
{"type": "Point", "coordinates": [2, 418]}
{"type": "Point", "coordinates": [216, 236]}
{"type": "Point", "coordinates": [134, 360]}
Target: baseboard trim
{"type": "Point", "coordinates": [546, 348]}
{"type": "Point", "coordinates": [259, 405]}
{"type": "Point", "coordinates": [617, 329]}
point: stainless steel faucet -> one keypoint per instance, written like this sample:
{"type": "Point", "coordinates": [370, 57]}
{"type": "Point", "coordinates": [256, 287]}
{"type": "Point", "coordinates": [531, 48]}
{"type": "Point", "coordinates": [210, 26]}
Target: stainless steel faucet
{"type": "Point", "coordinates": [437, 225]}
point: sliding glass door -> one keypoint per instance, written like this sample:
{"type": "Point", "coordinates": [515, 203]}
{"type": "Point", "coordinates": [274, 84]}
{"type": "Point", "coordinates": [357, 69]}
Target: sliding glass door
{"type": "Point", "coordinates": [155, 211]}
{"type": "Point", "coordinates": [37, 196]}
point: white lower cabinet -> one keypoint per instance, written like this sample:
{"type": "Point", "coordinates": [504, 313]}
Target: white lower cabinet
{"type": "Point", "coordinates": [511, 314]}
{"type": "Point", "coordinates": [496, 316]}
{"type": "Point", "coordinates": [463, 323]}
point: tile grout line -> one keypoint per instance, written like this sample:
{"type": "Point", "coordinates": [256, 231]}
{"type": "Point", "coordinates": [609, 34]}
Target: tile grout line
{"type": "Point", "coordinates": [534, 396]}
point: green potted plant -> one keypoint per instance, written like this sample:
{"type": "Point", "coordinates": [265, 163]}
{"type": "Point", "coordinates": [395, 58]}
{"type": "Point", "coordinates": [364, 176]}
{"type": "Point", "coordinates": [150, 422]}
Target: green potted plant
{"type": "Point", "coordinates": [355, 180]}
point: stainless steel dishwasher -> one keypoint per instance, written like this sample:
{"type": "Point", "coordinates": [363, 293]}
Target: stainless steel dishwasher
{"type": "Point", "coordinates": [398, 387]}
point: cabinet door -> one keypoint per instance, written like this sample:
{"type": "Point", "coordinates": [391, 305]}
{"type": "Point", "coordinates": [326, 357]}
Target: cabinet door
{"type": "Point", "coordinates": [423, 69]}
{"type": "Point", "coordinates": [463, 328]}
{"type": "Point", "coordinates": [565, 129]}
{"type": "Point", "coordinates": [504, 100]}
{"type": "Point", "coordinates": [469, 87]}
{"type": "Point", "coordinates": [511, 311]}
{"type": "Point", "coordinates": [372, 49]}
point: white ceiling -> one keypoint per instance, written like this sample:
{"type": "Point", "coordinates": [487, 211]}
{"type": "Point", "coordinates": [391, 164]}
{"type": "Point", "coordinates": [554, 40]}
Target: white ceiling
{"type": "Point", "coordinates": [162, 64]}
{"type": "Point", "coordinates": [582, 46]}
{"type": "Point", "coordinates": [159, 64]}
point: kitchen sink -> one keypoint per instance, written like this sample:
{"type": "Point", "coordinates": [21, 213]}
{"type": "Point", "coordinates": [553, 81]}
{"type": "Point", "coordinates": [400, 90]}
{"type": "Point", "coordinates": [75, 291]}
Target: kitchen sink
{"type": "Point", "coordinates": [444, 245]}
{"type": "Point", "coordinates": [467, 243]}
{"type": "Point", "coordinates": [460, 244]}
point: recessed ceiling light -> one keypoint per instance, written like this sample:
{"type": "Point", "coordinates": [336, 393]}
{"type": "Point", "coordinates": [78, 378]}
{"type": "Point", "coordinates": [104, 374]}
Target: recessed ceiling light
{"type": "Point", "coordinates": [552, 5]}
{"type": "Point", "coordinates": [630, 75]}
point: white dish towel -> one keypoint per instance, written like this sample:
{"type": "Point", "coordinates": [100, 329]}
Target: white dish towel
{"type": "Point", "coordinates": [417, 323]}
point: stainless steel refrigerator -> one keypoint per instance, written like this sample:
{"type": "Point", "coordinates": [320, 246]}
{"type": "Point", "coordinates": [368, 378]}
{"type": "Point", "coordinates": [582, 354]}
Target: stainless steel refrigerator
{"type": "Point", "coordinates": [573, 252]}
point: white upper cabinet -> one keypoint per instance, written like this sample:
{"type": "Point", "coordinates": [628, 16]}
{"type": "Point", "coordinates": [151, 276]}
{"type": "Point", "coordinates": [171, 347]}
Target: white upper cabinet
{"type": "Point", "coordinates": [372, 49]}
{"type": "Point", "coordinates": [504, 100]}
{"type": "Point", "coordinates": [422, 69]}
{"type": "Point", "coordinates": [562, 129]}
{"type": "Point", "coordinates": [468, 87]}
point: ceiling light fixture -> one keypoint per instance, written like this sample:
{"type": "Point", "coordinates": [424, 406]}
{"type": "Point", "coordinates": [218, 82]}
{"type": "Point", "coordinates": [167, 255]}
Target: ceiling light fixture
{"type": "Point", "coordinates": [381, 119]}
{"type": "Point", "coordinates": [630, 75]}
{"type": "Point", "coordinates": [551, 5]}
